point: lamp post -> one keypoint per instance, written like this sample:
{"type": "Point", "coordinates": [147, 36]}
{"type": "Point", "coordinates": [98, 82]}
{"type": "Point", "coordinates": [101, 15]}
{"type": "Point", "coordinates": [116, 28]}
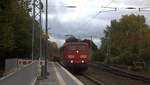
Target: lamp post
{"type": "Point", "coordinates": [37, 9]}
{"type": "Point", "coordinates": [40, 21]}
{"type": "Point", "coordinates": [46, 30]}
{"type": "Point", "coordinates": [108, 46]}
{"type": "Point", "coordinates": [33, 26]}
{"type": "Point", "coordinates": [108, 39]}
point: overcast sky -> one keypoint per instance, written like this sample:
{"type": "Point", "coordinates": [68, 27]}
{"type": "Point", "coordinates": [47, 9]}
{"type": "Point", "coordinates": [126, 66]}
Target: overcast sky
{"type": "Point", "coordinates": [85, 20]}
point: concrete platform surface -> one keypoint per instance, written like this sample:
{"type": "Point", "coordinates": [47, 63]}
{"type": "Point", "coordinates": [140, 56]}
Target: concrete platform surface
{"type": "Point", "coordinates": [58, 75]}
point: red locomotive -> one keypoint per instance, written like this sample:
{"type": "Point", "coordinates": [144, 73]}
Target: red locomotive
{"type": "Point", "coordinates": [74, 55]}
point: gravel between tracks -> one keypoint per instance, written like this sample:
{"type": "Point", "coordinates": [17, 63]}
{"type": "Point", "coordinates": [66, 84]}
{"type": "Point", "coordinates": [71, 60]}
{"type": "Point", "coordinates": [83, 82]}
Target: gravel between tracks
{"type": "Point", "coordinates": [85, 80]}
{"type": "Point", "coordinates": [112, 79]}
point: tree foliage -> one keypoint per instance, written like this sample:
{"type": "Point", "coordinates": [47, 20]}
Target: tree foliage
{"type": "Point", "coordinates": [16, 29]}
{"type": "Point", "coordinates": [98, 55]}
{"type": "Point", "coordinates": [128, 39]}
{"type": "Point", "coordinates": [52, 48]}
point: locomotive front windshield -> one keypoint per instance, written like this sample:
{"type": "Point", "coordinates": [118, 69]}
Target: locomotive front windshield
{"type": "Point", "coordinates": [72, 47]}
{"type": "Point", "coordinates": [82, 47]}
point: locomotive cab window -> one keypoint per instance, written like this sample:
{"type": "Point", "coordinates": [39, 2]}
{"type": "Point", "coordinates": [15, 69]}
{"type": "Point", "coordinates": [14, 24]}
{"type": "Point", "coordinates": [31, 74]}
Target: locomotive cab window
{"type": "Point", "coordinates": [82, 47]}
{"type": "Point", "coordinates": [72, 47]}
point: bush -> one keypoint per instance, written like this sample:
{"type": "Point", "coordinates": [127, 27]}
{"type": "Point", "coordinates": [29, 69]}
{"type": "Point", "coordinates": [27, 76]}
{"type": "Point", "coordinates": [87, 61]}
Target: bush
{"type": "Point", "coordinates": [116, 60]}
{"type": "Point", "coordinates": [98, 56]}
{"type": "Point", "coordinates": [126, 58]}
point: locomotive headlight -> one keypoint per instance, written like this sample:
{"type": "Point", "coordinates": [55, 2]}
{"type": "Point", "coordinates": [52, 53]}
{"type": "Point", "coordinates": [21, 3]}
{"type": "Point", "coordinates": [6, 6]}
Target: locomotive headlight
{"type": "Point", "coordinates": [83, 56]}
{"type": "Point", "coordinates": [71, 61]}
{"type": "Point", "coordinates": [70, 56]}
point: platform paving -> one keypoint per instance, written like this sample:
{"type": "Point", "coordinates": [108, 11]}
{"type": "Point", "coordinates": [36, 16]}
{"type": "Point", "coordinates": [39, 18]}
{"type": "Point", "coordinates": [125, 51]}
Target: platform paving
{"type": "Point", "coordinates": [58, 75]}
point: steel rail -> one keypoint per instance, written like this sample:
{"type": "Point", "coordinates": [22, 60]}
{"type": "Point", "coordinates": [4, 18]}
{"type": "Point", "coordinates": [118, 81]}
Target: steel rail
{"type": "Point", "coordinates": [120, 72]}
{"type": "Point", "coordinates": [92, 79]}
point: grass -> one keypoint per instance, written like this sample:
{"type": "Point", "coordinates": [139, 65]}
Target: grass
{"type": "Point", "coordinates": [145, 71]}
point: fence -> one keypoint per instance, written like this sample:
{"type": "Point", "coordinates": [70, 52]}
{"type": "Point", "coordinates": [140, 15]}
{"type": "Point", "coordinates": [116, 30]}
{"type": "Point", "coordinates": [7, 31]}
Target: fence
{"type": "Point", "coordinates": [11, 65]}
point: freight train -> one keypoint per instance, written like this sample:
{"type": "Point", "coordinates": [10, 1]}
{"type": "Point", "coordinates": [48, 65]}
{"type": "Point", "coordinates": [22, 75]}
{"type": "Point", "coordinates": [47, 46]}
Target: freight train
{"type": "Point", "coordinates": [54, 57]}
{"type": "Point", "coordinates": [74, 56]}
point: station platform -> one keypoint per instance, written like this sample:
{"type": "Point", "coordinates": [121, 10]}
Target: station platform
{"type": "Point", "coordinates": [58, 75]}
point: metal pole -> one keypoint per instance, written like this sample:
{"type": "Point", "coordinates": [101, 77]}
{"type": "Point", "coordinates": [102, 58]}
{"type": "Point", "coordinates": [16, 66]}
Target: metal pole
{"type": "Point", "coordinates": [140, 36]}
{"type": "Point", "coordinates": [108, 47]}
{"type": "Point", "coordinates": [91, 42]}
{"type": "Point", "coordinates": [46, 38]}
{"type": "Point", "coordinates": [40, 30]}
{"type": "Point", "coordinates": [33, 26]}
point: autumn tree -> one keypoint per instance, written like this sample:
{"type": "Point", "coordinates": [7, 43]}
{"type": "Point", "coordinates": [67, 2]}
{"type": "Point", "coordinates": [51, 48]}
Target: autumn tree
{"type": "Point", "coordinates": [53, 48]}
{"type": "Point", "coordinates": [127, 39]}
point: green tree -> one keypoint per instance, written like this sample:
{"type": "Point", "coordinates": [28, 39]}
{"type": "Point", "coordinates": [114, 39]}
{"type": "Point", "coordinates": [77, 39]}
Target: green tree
{"type": "Point", "coordinates": [72, 39]}
{"type": "Point", "coordinates": [52, 48]}
{"type": "Point", "coordinates": [16, 29]}
{"type": "Point", "coordinates": [126, 38]}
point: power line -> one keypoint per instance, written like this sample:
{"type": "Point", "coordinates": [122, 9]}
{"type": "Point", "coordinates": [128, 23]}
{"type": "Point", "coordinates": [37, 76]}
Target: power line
{"type": "Point", "coordinates": [110, 3]}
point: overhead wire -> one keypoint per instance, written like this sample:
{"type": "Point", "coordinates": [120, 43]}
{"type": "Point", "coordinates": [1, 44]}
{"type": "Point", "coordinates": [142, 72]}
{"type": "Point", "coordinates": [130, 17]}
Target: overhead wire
{"type": "Point", "coordinates": [109, 3]}
{"type": "Point", "coordinates": [103, 10]}
{"type": "Point", "coordinates": [84, 6]}
{"type": "Point", "coordinates": [88, 21]}
{"type": "Point", "coordinates": [108, 45]}
{"type": "Point", "coordinates": [69, 8]}
{"type": "Point", "coordinates": [84, 23]}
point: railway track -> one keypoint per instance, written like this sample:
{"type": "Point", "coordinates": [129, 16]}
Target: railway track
{"type": "Point", "coordinates": [93, 79]}
{"type": "Point", "coordinates": [88, 80]}
{"type": "Point", "coordinates": [120, 72]}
